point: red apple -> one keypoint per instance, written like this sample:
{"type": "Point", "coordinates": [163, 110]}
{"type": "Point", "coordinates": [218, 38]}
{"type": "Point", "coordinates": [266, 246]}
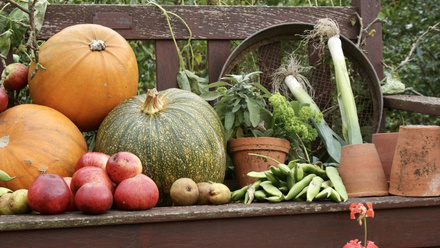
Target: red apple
{"type": "Point", "coordinates": [136, 193]}
{"type": "Point", "coordinates": [17, 77]}
{"type": "Point", "coordinates": [72, 206]}
{"type": "Point", "coordinates": [93, 198]}
{"type": "Point", "coordinates": [95, 159]}
{"type": "Point", "coordinates": [90, 174]}
{"type": "Point", "coordinates": [49, 194]}
{"type": "Point", "coordinates": [3, 100]}
{"type": "Point", "coordinates": [123, 165]}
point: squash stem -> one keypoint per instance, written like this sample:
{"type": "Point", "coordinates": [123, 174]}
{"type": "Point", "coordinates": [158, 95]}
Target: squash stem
{"type": "Point", "coordinates": [152, 103]}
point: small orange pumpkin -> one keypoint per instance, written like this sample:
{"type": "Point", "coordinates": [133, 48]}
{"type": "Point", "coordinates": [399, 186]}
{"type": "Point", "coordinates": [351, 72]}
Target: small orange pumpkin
{"type": "Point", "coordinates": [89, 69]}
{"type": "Point", "coordinates": [36, 139]}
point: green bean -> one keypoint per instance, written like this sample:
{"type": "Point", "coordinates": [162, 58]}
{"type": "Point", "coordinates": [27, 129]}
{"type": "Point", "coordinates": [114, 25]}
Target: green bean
{"type": "Point", "coordinates": [292, 163]}
{"type": "Point", "coordinates": [314, 188]}
{"type": "Point", "coordinates": [277, 172]}
{"type": "Point", "coordinates": [239, 193]}
{"type": "Point", "coordinates": [327, 184]}
{"type": "Point", "coordinates": [256, 184]}
{"type": "Point", "coordinates": [284, 189]}
{"type": "Point", "coordinates": [284, 169]}
{"type": "Point", "coordinates": [290, 179]}
{"type": "Point", "coordinates": [272, 178]}
{"type": "Point", "coordinates": [324, 194]}
{"type": "Point", "coordinates": [339, 186]}
{"type": "Point", "coordinates": [256, 174]}
{"type": "Point", "coordinates": [302, 194]}
{"type": "Point", "coordinates": [299, 173]}
{"type": "Point", "coordinates": [260, 195]}
{"type": "Point", "coordinates": [311, 168]}
{"type": "Point", "coordinates": [275, 199]}
{"type": "Point", "coordinates": [334, 195]}
{"type": "Point", "coordinates": [246, 197]}
{"type": "Point", "coordinates": [299, 186]}
{"type": "Point", "coordinates": [270, 188]}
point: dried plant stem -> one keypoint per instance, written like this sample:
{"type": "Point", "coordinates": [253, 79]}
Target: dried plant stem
{"type": "Point", "coordinates": [413, 48]}
{"type": "Point", "coordinates": [362, 30]}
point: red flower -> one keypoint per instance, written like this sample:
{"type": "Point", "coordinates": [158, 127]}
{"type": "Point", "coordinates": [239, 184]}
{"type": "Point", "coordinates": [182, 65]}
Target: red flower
{"type": "Point", "coordinates": [353, 244]}
{"type": "Point", "coordinates": [359, 208]}
{"type": "Point", "coordinates": [370, 244]}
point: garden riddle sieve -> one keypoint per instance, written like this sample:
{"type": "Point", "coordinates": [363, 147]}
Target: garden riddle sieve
{"type": "Point", "coordinates": [269, 48]}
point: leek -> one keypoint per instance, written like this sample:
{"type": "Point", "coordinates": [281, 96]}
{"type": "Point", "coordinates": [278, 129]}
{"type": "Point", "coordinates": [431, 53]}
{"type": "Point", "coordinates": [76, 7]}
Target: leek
{"type": "Point", "coordinates": [291, 78]}
{"type": "Point", "coordinates": [327, 29]}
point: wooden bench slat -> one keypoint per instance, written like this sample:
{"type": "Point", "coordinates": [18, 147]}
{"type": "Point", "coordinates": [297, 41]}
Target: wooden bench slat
{"type": "Point", "coordinates": [206, 22]}
{"type": "Point", "coordinates": [419, 104]}
{"type": "Point", "coordinates": [218, 53]}
{"type": "Point", "coordinates": [167, 64]}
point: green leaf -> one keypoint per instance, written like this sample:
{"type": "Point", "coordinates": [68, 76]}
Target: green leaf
{"type": "Point", "coordinates": [210, 95]}
{"type": "Point", "coordinates": [40, 11]}
{"type": "Point", "coordinates": [229, 120]}
{"type": "Point", "coordinates": [183, 81]}
{"type": "Point", "coordinates": [393, 85]}
{"type": "Point", "coordinates": [381, 16]}
{"type": "Point", "coordinates": [254, 111]}
{"type": "Point", "coordinates": [197, 84]}
{"type": "Point", "coordinates": [5, 42]}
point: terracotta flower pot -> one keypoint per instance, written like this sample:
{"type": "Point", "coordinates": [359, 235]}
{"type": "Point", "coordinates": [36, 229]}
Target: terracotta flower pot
{"type": "Point", "coordinates": [361, 171]}
{"type": "Point", "coordinates": [386, 146]}
{"type": "Point", "coordinates": [416, 162]}
{"type": "Point", "coordinates": [239, 150]}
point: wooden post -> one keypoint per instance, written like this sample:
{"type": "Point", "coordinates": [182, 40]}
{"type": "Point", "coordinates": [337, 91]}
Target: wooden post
{"type": "Point", "coordinates": [369, 10]}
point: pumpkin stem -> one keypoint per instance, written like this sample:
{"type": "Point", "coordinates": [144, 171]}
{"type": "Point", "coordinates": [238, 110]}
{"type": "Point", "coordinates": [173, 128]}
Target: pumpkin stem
{"type": "Point", "coordinates": [97, 45]}
{"type": "Point", "coordinates": [152, 103]}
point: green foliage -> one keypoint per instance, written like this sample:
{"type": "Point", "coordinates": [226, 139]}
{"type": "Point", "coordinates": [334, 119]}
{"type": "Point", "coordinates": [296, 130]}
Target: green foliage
{"type": "Point", "coordinates": [242, 107]}
{"type": "Point", "coordinates": [406, 21]}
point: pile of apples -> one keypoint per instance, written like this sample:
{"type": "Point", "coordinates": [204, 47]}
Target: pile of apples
{"type": "Point", "coordinates": [100, 181]}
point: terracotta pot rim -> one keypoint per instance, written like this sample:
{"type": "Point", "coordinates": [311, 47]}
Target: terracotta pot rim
{"type": "Point", "coordinates": [369, 193]}
{"type": "Point", "coordinates": [419, 126]}
{"type": "Point", "coordinates": [363, 144]}
{"type": "Point", "coordinates": [259, 143]}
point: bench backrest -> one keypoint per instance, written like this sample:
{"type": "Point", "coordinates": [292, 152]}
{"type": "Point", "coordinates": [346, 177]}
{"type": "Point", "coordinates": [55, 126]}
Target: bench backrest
{"type": "Point", "coordinates": [218, 25]}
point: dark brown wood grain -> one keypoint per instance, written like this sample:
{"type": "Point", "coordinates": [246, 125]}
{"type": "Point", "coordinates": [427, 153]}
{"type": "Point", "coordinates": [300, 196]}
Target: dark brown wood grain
{"type": "Point", "coordinates": [205, 22]}
{"type": "Point", "coordinates": [295, 224]}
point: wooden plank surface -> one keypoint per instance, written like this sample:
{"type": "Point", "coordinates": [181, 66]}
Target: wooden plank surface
{"type": "Point", "coordinates": [288, 224]}
{"type": "Point", "coordinates": [206, 22]}
{"type": "Point", "coordinates": [412, 103]}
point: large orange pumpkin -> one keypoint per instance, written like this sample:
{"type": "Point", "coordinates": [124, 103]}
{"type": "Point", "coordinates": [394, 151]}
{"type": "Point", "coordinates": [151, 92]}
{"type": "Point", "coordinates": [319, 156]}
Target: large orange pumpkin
{"type": "Point", "coordinates": [89, 69]}
{"type": "Point", "coordinates": [36, 139]}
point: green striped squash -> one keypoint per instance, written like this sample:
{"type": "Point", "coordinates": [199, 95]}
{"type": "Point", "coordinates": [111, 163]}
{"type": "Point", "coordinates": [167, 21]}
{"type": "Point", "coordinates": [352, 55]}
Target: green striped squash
{"type": "Point", "coordinates": [174, 132]}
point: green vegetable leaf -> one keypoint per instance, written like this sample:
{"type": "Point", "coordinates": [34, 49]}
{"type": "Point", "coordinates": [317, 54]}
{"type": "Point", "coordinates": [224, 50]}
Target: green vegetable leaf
{"type": "Point", "coordinates": [40, 10]}
{"type": "Point", "coordinates": [210, 95]}
{"type": "Point", "coordinates": [393, 85]}
{"type": "Point", "coordinates": [229, 120]}
{"type": "Point", "coordinates": [5, 42]}
{"type": "Point", "coordinates": [197, 84]}
{"type": "Point", "coordinates": [254, 111]}
{"type": "Point", "coordinates": [183, 81]}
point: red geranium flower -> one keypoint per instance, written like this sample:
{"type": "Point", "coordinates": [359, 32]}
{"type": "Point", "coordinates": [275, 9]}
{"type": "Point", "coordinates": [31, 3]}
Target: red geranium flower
{"type": "Point", "coordinates": [359, 208]}
{"type": "Point", "coordinates": [364, 213]}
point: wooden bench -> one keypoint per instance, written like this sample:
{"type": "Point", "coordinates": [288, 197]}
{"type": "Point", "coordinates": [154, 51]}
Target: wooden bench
{"type": "Point", "coordinates": [399, 221]}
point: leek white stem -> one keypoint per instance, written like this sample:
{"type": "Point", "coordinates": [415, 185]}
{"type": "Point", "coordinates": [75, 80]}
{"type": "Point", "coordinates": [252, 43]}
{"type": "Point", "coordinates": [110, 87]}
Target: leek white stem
{"type": "Point", "coordinates": [350, 123]}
